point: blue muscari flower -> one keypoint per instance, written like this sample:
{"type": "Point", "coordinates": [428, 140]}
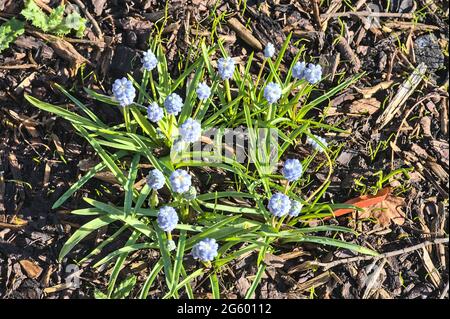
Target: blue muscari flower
{"type": "Point", "coordinates": [203, 91]}
{"type": "Point", "coordinates": [269, 50]}
{"type": "Point", "coordinates": [279, 205]}
{"type": "Point", "coordinates": [154, 112]}
{"type": "Point", "coordinates": [190, 131]}
{"type": "Point", "coordinates": [296, 207]}
{"type": "Point", "coordinates": [226, 68]}
{"type": "Point", "coordinates": [316, 145]}
{"type": "Point", "coordinates": [292, 170]}
{"type": "Point", "coordinates": [298, 70]}
{"type": "Point", "coordinates": [124, 91]}
{"type": "Point", "coordinates": [205, 250]}
{"type": "Point", "coordinates": [167, 218]}
{"type": "Point", "coordinates": [313, 73]}
{"type": "Point", "coordinates": [173, 104]}
{"type": "Point", "coordinates": [149, 60]}
{"type": "Point", "coordinates": [155, 179]}
{"type": "Point", "coordinates": [272, 92]}
{"type": "Point", "coordinates": [180, 181]}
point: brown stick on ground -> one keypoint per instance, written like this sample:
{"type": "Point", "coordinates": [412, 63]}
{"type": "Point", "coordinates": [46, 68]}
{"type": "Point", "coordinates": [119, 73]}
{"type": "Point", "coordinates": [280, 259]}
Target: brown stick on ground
{"type": "Point", "coordinates": [368, 13]}
{"type": "Point", "coordinates": [244, 34]}
{"type": "Point", "coordinates": [385, 255]}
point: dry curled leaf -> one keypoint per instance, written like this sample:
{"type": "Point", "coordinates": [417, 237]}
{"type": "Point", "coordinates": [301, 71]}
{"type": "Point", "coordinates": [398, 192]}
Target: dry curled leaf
{"type": "Point", "coordinates": [365, 106]}
{"type": "Point", "coordinates": [386, 212]}
{"type": "Point", "coordinates": [31, 269]}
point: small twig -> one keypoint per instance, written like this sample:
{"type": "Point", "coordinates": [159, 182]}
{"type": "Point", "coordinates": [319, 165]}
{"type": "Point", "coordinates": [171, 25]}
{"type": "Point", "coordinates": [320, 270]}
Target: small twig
{"type": "Point", "coordinates": [18, 66]}
{"type": "Point", "coordinates": [316, 12]}
{"type": "Point", "coordinates": [444, 292]}
{"type": "Point", "coordinates": [43, 6]}
{"type": "Point", "coordinates": [368, 14]}
{"type": "Point", "coordinates": [385, 255]}
{"type": "Point", "coordinates": [95, 25]}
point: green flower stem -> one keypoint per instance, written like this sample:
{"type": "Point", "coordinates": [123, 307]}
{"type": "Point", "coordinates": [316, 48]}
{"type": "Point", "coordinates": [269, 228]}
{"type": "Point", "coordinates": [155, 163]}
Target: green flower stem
{"type": "Point", "coordinates": [260, 73]}
{"type": "Point", "coordinates": [280, 222]}
{"type": "Point", "coordinates": [200, 103]}
{"type": "Point", "coordinates": [145, 78]}
{"type": "Point", "coordinates": [171, 123]}
{"type": "Point", "coordinates": [270, 112]}
{"type": "Point", "coordinates": [154, 199]}
{"type": "Point", "coordinates": [152, 85]}
{"type": "Point", "coordinates": [228, 90]}
{"type": "Point", "coordinates": [286, 188]}
{"type": "Point", "coordinates": [126, 117]}
{"type": "Point", "coordinates": [185, 212]}
{"type": "Point", "coordinates": [169, 235]}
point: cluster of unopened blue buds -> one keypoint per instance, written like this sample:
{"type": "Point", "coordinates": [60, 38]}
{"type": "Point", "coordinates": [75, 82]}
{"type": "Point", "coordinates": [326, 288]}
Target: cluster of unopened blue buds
{"type": "Point", "coordinates": [316, 145]}
{"type": "Point", "coordinates": [173, 104]}
{"type": "Point", "coordinates": [190, 131]}
{"type": "Point", "coordinates": [269, 50]}
{"type": "Point", "coordinates": [149, 60]}
{"type": "Point", "coordinates": [298, 70]}
{"type": "Point", "coordinates": [124, 91]}
{"type": "Point", "coordinates": [295, 209]}
{"type": "Point", "coordinates": [279, 205]}
{"type": "Point", "coordinates": [205, 250]}
{"type": "Point", "coordinates": [203, 91]}
{"type": "Point", "coordinates": [311, 73]}
{"type": "Point", "coordinates": [155, 113]}
{"type": "Point", "coordinates": [292, 169]}
{"type": "Point", "coordinates": [167, 218]}
{"type": "Point", "coordinates": [272, 92]}
{"type": "Point", "coordinates": [226, 68]}
{"type": "Point", "coordinates": [155, 179]}
{"type": "Point", "coordinates": [180, 181]}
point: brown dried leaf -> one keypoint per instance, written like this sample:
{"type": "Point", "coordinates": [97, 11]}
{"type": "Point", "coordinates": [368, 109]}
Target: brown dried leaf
{"type": "Point", "coordinates": [386, 212]}
{"type": "Point", "coordinates": [366, 106]}
{"type": "Point", "coordinates": [31, 269]}
{"type": "Point", "coordinates": [274, 261]}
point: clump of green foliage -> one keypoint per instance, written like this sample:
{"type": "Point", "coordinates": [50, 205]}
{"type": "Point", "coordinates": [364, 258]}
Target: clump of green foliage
{"type": "Point", "coordinates": [9, 31]}
{"type": "Point", "coordinates": [56, 22]}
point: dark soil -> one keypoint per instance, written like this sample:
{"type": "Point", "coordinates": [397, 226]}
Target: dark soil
{"type": "Point", "coordinates": [41, 156]}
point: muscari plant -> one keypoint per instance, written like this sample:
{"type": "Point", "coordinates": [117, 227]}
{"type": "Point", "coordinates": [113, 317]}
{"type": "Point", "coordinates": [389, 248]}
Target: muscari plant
{"type": "Point", "coordinates": [165, 112]}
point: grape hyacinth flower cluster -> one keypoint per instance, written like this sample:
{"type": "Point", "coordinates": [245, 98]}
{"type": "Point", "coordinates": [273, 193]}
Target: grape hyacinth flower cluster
{"type": "Point", "coordinates": [269, 50]}
{"type": "Point", "coordinates": [316, 145]}
{"type": "Point", "coordinates": [149, 60]}
{"type": "Point", "coordinates": [203, 91]}
{"type": "Point", "coordinates": [180, 181]}
{"type": "Point", "coordinates": [279, 205]}
{"type": "Point", "coordinates": [154, 112]}
{"type": "Point", "coordinates": [292, 170]}
{"type": "Point", "coordinates": [167, 218]}
{"type": "Point", "coordinates": [311, 73]}
{"type": "Point", "coordinates": [173, 104]}
{"type": "Point", "coordinates": [298, 70]}
{"type": "Point", "coordinates": [272, 92]}
{"type": "Point", "coordinates": [296, 207]}
{"type": "Point", "coordinates": [205, 250]}
{"type": "Point", "coordinates": [155, 179]}
{"type": "Point", "coordinates": [226, 68]}
{"type": "Point", "coordinates": [190, 131]}
{"type": "Point", "coordinates": [124, 91]}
